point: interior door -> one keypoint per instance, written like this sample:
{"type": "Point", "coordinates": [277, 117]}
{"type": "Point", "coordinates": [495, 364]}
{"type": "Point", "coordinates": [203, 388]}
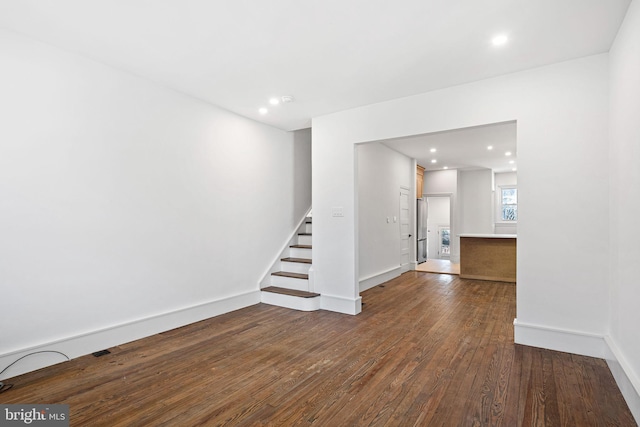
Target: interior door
{"type": "Point", "coordinates": [405, 230]}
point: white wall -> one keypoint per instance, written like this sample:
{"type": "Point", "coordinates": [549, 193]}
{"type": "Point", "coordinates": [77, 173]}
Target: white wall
{"type": "Point", "coordinates": [475, 195]}
{"type": "Point", "coordinates": [124, 203]}
{"type": "Point", "coordinates": [503, 179]}
{"type": "Point", "coordinates": [624, 207]}
{"type": "Point", "coordinates": [561, 111]}
{"type": "Point", "coordinates": [440, 182]}
{"type": "Point", "coordinates": [381, 173]}
{"type": "Point", "coordinates": [300, 184]}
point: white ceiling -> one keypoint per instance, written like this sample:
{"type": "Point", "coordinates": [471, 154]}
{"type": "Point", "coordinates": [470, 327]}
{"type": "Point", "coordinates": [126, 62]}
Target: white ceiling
{"type": "Point", "coordinates": [330, 55]}
{"type": "Point", "coordinates": [464, 149]}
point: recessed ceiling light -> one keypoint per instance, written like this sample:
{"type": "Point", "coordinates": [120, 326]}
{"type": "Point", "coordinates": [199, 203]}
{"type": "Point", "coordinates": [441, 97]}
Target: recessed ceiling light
{"type": "Point", "coordinates": [511, 162]}
{"type": "Point", "coordinates": [274, 101]}
{"type": "Point", "coordinates": [434, 161]}
{"type": "Point", "coordinates": [446, 167]}
{"type": "Point", "coordinates": [490, 147]}
{"type": "Point", "coordinates": [263, 110]}
{"type": "Point", "coordinates": [287, 99]}
{"type": "Point", "coordinates": [499, 40]}
{"type": "Point", "coordinates": [514, 169]}
{"type": "Point", "coordinates": [433, 150]}
{"type": "Point", "coordinates": [508, 153]}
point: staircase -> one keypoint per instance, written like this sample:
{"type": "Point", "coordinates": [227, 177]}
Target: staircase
{"type": "Point", "coordinates": [289, 285]}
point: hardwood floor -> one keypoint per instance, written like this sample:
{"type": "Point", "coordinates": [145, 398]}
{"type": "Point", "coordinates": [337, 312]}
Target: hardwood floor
{"type": "Point", "coordinates": [427, 350]}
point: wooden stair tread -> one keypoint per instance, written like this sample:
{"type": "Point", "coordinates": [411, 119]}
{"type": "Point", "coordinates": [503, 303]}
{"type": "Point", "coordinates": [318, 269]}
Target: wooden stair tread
{"type": "Point", "coordinates": [292, 275]}
{"type": "Point", "coordinates": [301, 246]}
{"type": "Point", "coordinates": [291, 292]}
{"type": "Point", "coordinates": [300, 260]}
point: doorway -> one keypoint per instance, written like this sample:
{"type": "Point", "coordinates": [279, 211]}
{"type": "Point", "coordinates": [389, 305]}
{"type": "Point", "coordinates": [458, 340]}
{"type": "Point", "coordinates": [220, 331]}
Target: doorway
{"type": "Point", "coordinates": [438, 227]}
{"type": "Point", "coordinates": [439, 235]}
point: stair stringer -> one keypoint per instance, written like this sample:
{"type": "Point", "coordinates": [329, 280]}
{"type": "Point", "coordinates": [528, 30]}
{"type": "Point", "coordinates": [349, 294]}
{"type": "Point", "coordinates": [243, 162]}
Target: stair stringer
{"type": "Point", "coordinates": [265, 281]}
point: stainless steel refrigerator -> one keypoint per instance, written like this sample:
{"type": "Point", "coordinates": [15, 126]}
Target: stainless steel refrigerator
{"type": "Point", "coordinates": [421, 232]}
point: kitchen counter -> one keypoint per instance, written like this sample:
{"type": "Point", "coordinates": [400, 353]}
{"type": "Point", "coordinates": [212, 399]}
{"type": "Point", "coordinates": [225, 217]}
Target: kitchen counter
{"type": "Point", "coordinates": [491, 236]}
{"type": "Point", "coordinates": [488, 257]}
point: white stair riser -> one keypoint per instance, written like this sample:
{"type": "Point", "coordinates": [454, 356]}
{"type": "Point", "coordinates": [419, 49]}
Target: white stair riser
{"type": "Point", "coordinates": [307, 228]}
{"type": "Point", "coordinates": [288, 301]}
{"type": "Point", "coordinates": [304, 240]}
{"type": "Point", "coordinates": [294, 267]}
{"type": "Point", "coordinates": [290, 283]}
{"type": "Point", "coordinates": [300, 253]}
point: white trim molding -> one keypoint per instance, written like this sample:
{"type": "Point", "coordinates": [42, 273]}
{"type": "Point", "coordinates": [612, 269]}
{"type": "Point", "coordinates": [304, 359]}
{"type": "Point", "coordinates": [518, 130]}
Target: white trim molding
{"type": "Point", "coordinates": [586, 344]}
{"type": "Point", "coordinates": [406, 267]}
{"type": "Point", "coordinates": [378, 278]}
{"type": "Point", "coordinates": [626, 379]}
{"type": "Point", "coordinates": [83, 344]}
{"type": "Point", "coordinates": [566, 340]}
{"type": "Point", "coordinates": [341, 304]}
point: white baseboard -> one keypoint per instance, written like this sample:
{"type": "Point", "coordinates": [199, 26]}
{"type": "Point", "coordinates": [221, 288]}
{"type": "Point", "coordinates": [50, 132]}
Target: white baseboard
{"type": "Point", "coordinates": [80, 345]}
{"type": "Point", "coordinates": [627, 380]}
{"type": "Point", "coordinates": [288, 301]}
{"type": "Point", "coordinates": [341, 304]}
{"type": "Point", "coordinates": [569, 341]}
{"type": "Point", "coordinates": [378, 278]}
{"type": "Point", "coordinates": [585, 344]}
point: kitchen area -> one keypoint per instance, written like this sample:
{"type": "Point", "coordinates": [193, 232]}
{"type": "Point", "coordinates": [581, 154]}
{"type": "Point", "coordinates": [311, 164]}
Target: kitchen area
{"type": "Point", "coordinates": [466, 207]}
{"type": "Point", "coordinates": [480, 203]}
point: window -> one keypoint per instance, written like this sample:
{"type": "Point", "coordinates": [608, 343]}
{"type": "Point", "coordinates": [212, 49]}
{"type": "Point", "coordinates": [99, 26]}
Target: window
{"type": "Point", "coordinates": [445, 247]}
{"type": "Point", "coordinates": [509, 204]}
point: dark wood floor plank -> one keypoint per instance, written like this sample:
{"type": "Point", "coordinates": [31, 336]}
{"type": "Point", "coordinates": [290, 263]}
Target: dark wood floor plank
{"type": "Point", "coordinates": [428, 349]}
{"type": "Point", "coordinates": [566, 407]}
